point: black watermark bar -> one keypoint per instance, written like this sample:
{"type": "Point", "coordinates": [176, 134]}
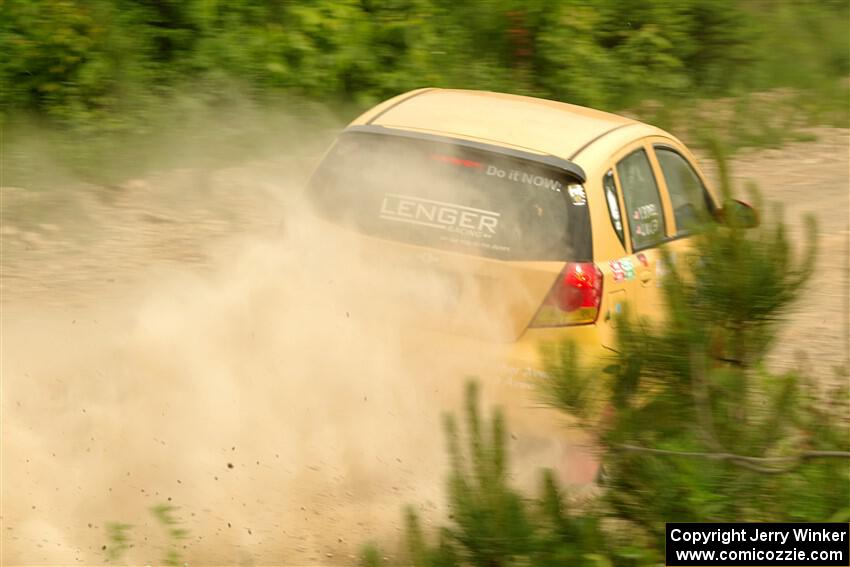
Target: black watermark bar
{"type": "Point", "coordinates": [744, 544]}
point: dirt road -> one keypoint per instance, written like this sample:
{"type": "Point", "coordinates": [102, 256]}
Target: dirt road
{"type": "Point", "coordinates": [184, 339]}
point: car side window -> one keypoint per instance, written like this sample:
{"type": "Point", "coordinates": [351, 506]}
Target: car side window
{"type": "Point", "coordinates": [610, 188]}
{"type": "Point", "coordinates": [687, 193]}
{"type": "Point", "coordinates": [643, 202]}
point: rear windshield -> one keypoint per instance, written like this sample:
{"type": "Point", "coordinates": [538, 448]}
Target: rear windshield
{"type": "Point", "coordinates": [451, 197]}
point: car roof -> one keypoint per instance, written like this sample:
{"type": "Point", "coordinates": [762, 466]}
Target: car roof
{"type": "Point", "coordinates": [532, 124]}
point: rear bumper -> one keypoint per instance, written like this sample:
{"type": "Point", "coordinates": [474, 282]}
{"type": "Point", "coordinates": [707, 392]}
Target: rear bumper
{"type": "Point", "coordinates": [518, 364]}
{"type": "Point", "coordinates": [525, 354]}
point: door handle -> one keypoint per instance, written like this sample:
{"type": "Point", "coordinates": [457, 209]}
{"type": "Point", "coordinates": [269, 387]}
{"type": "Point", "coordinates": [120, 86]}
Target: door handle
{"type": "Point", "coordinates": [645, 277]}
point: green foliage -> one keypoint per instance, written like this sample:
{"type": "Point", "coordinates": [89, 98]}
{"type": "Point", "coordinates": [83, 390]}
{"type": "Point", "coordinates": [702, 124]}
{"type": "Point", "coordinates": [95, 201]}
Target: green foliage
{"type": "Point", "coordinates": [493, 524]}
{"type": "Point", "coordinates": [491, 520]}
{"type": "Point", "coordinates": [693, 425]}
{"type": "Point", "coordinates": [165, 515]}
{"type": "Point", "coordinates": [371, 557]}
{"type": "Point", "coordinates": [617, 53]}
{"type": "Point", "coordinates": [118, 535]}
{"type": "Point", "coordinates": [109, 65]}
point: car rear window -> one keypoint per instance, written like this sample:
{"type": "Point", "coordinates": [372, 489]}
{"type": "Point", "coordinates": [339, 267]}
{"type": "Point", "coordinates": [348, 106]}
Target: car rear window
{"type": "Point", "coordinates": [453, 197]}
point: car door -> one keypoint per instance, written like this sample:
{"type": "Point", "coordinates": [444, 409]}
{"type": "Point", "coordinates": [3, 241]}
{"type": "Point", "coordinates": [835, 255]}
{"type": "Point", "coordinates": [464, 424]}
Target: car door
{"type": "Point", "coordinates": [645, 213]}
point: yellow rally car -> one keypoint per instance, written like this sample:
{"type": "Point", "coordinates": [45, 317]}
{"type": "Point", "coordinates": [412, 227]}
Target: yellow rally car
{"type": "Point", "coordinates": [544, 217]}
{"type": "Point", "coordinates": [553, 212]}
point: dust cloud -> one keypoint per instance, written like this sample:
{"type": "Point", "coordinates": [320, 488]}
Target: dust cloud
{"type": "Point", "coordinates": [192, 338]}
{"type": "Point", "coordinates": [277, 392]}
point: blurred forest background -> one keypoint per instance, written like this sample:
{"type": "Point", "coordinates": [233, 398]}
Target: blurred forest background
{"type": "Point", "coordinates": [114, 73]}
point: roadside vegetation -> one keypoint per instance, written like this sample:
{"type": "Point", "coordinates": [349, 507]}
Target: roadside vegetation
{"type": "Point", "coordinates": [106, 83]}
{"type": "Point", "coordinates": [119, 537]}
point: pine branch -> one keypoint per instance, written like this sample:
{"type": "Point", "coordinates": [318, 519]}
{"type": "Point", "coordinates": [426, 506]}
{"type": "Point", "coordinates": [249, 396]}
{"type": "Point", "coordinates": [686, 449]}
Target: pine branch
{"type": "Point", "coordinates": [752, 463]}
{"type": "Point", "coordinates": [700, 394]}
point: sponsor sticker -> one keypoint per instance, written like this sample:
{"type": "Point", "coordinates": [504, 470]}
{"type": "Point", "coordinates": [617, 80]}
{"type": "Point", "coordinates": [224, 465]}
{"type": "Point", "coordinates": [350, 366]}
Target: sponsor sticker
{"type": "Point", "coordinates": [451, 217]}
{"type": "Point", "coordinates": [524, 177]}
{"type": "Point", "coordinates": [577, 195]}
{"type": "Point", "coordinates": [628, 268]}
{"type": "Point", "coordinates": [617, 270]}
{"type": "Point", "coordinates": [622, 269]}
{"type": "Point", "coordinates": [644, 212]}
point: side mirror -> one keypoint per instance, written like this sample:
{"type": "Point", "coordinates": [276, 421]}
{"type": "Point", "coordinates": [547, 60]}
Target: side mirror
{"type": "Point", "coordinates": [740, 214]}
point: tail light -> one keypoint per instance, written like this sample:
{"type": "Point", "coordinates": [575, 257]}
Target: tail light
{"type": "Point", "coordinates": [574, 299]}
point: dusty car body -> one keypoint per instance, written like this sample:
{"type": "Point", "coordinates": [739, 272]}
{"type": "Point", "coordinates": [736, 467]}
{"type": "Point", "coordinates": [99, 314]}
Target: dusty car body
{"type": "Point", "coordinates": [558, 211]}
